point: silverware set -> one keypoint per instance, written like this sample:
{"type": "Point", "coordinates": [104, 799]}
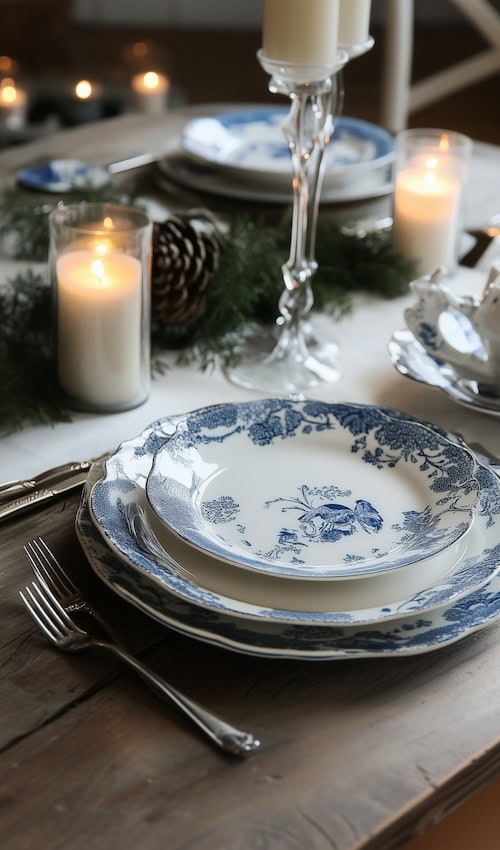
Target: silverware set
{"type": "Point", "coordinates": [17, 496]}
{"type": "Point", "coordinates": [55, 604]}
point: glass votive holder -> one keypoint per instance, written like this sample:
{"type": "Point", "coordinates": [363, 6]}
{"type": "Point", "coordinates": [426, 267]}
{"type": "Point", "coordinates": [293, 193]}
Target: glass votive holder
{"type": "Point", "coordinates": [430, 174]}
{"type": "Point", "coordinates": [100, 270]}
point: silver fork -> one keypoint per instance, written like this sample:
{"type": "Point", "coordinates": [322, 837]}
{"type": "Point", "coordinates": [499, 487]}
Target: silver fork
{"type": "Point", "coordinates": [49, 571]}
{"type": "Point", "coordinates": [60, 628]}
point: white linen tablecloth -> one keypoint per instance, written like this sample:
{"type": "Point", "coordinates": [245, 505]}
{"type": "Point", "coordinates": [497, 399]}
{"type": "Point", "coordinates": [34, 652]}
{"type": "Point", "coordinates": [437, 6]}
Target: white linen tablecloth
{"type": "Point", "coordinates": [368, 375]}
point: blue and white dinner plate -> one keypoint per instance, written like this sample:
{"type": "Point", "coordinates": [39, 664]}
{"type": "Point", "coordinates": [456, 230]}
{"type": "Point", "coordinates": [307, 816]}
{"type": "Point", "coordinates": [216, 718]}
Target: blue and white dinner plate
{"type": "Point", "coordinates": [305, 489]}
{"type": "Point", "coordinates": [239, 594]}
{"type": "Point", "coordinates": [408, 635]}
{"type": "Point", "coordinates": [250, 141]}
{"type": "Point", "coordinates": [411, 360]}
{"type": "Point", "coordinates": [63, 175]}
{"type": "Point", "coordinates": [202, 177]}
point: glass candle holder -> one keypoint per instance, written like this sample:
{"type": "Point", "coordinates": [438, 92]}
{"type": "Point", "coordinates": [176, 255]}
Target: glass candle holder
{"type": "Point", "coordinates": [99, 262]}
{"type": "Point", "coordinates": [431, 171]}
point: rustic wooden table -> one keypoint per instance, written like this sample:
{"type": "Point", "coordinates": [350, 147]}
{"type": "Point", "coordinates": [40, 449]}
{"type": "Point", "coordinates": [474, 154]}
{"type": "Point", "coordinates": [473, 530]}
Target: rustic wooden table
{"type": "Point", "coordinates": [358, 755]}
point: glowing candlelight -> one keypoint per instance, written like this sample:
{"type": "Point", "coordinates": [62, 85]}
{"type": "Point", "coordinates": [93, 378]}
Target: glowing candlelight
{"type": "Point", "coordinates": [84, 103]}
{"type": "Point", "coordinates": [150, 92]}
{"type": "Point", "coordinates": [13, 105]}
{"type": "Point", "coordinates": [99, 325]}
{"type": "Point", "coordinates": [427, 201]}
{"type": "Point", "coordinates": [84, 90]}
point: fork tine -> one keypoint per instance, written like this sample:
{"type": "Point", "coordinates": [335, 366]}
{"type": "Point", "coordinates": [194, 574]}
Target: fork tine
{"type": "Point", "coordinates": [49, 603]}
{"type": "Point", "coordinates": [55, 609]}
{"type": "Point", "coordinates": [45, 565]}
{"type": "Point", "coordinates": [38, 614]}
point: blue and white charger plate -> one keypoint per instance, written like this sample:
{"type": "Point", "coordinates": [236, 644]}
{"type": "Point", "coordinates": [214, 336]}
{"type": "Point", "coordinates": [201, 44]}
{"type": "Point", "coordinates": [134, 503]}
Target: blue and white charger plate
{"type": "Point", "coordinates": [239, 594]}
{"type": "Point", "coordinates": [63, 175]}
{"type": "Point", "coordinates": [412, 361]}
{"type": "Point", "coordinates": [409, 635]}
{"type": "Point", "coordinates": [310, 490]}
{"type": "Point", "coordinates": [250, 141]}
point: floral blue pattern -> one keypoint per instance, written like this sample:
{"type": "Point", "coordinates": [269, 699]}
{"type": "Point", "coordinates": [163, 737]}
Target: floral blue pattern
{"type": "Point", "coordinates": [126, 564]}
{"type": "Point", "coordinates": [408, 635]}
{"type": "Point", "coordinates": [368, 435]}
{"type": "Point", "coordinates": [252, 139]}
{"type": "Point", "coordinates": [326, 521]}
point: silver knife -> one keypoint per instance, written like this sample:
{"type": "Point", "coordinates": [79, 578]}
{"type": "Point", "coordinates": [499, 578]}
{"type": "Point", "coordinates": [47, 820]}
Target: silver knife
{"type": "Point", "coordinates": [14, 489]}
{"type": "Point", "coordinates": [43, 494]}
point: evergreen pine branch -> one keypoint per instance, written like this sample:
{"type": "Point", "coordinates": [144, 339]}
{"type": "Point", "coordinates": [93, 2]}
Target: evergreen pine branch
{"type": "Point", "coordinates": [24, 232]}
{"type": "Point", "coordinates": [244, 292]}
{"type": "Point", "coordinates": [30, 392]}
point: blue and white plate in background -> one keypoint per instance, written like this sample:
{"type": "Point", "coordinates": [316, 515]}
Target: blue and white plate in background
{"type": "Point", "coordinates": [63, 175]}
{"type": "Point", "coordinates": [250, 142]}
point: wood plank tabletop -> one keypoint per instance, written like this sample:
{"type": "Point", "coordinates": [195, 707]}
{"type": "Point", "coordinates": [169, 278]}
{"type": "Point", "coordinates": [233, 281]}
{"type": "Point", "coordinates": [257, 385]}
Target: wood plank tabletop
{"type": "Point", "coordinates": [356, 754]}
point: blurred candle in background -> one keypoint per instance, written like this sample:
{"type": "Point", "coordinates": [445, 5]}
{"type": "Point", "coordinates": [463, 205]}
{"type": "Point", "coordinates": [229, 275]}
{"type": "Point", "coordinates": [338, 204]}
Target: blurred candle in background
{"type": "Point", "coordinates": [354, 22]}
{"type": "Point", "coordinates": [431, 167]}
{"type": "Point", "coordinates": [8, 66]}
{"type": "Point", "coordinates": [150, 92]}
{"type": "Point", "coordinates": [84, 103]}
{"type": "Point", "coordinates": [300, 32]}
{"type": "Point", "coordinates": [13, 105]}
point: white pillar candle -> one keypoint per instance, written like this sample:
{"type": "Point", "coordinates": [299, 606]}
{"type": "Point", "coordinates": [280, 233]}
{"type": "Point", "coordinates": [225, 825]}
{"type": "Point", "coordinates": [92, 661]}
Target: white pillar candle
{"type": "Point", "coordinates": [301, 32]}
{"type": "Point", "coordinates": [99, 326]}
{"type": "Point", "coordinates": [150, 92]}
{"type": "Point", "coordinates": [426, 216]}
{"type": "Point", "coordinates": [354, 22]}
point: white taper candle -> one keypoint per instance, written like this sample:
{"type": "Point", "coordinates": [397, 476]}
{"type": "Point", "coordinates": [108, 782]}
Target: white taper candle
{"type": "Point", "coordinates": [301, 32]}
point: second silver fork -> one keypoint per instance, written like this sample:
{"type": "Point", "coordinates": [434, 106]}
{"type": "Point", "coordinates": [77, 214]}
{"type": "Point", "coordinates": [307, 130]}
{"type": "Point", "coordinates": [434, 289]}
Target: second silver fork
{"type": "Point", "coordinates": [57, 593]}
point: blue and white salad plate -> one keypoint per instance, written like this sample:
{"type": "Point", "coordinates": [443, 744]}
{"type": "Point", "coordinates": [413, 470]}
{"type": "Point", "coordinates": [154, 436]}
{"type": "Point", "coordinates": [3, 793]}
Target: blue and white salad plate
{"type": "Point", "coordinates": [310, 490]}
{"type": "Point", "coordinates": [408, 634]}
{"type": "Point", "coordinates": [239, 594]}
{"type": "Point", "coordinates": [411, 360]}
{"type": "Point", "coordinates": [250, 141]}
{"type": "Point", "coordinates": [63, 175]}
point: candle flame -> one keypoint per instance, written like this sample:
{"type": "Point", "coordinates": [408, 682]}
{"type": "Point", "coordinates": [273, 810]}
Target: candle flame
{"type": "Point", "coordinates": [431, 162]}
{"type": "Point", "coordinates": [444, 142]}
{"type": "Point", "coordinates": [151, 80]}
{"type": "Point", "coordinates": [101, 249]}
{"type": "Point", "coordinates": [8, 93]}
{"type": "Point", "coordinates": [97, 269]}
{"type": "Point", "coordinates": [83, 89]}
{"type": "Point", "coordinates": [108, 223]}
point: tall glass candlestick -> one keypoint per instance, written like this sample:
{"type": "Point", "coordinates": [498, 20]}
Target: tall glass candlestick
{"type": "Point", "coordinates": [297, 363]}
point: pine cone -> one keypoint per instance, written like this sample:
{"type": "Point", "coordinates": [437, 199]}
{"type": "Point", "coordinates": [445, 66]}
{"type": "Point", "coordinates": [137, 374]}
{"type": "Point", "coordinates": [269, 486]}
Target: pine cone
{"type": "Point", "coordinates": [184, 263]}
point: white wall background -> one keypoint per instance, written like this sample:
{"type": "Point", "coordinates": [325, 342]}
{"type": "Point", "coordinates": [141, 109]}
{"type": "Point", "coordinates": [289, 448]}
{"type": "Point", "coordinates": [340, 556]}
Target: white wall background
{"type": "Point", "coordinates": [219, 13]}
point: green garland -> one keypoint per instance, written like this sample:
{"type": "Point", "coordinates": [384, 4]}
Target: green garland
{"type": "Point", "coordinates": [245, 289]}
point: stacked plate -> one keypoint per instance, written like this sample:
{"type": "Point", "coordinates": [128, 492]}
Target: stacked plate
{"type": "Point", "coordinates": [412, 360]}
{"type": "Point", "coordinates": [243, 153]}
{"type": "Point", "coordinates": [299, 529]}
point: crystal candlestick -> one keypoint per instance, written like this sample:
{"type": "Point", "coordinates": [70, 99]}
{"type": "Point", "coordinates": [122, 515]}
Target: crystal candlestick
{"type": "Point", "coordinates": [297, 361]}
